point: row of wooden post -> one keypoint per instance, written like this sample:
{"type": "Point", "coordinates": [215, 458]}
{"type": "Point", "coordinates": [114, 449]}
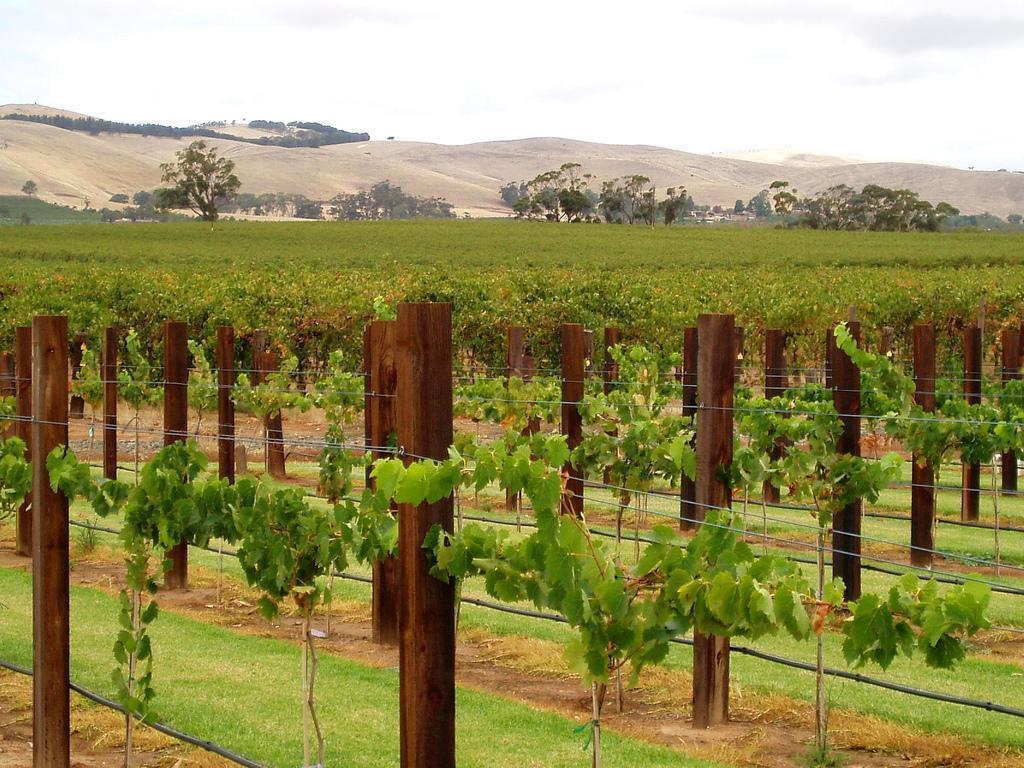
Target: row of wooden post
{"type": "Point", "coordinates": [417, 367]}
{"type": "Point", "coordinates": [409, 404]}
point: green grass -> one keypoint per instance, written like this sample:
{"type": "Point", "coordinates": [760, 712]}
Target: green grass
{"type": "Point", "coordinates": [979, 677]}
{"type": "Point", "coordinates": [243, 692]}
{"type": "Point", "coordinates": [13, 207]}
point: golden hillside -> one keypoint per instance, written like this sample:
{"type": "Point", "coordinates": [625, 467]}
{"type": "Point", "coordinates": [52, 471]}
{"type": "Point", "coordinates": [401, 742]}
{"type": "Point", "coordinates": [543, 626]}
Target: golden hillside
{"type": "Point", "coordinates": [70, 167]}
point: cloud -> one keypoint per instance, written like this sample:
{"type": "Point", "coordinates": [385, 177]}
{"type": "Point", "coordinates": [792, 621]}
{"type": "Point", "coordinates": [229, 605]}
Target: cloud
{"type": "Point", "coordinates": [320, 14]}
{"type": "Point", "coordinates": [938, 32]}
{"type": "Point", "coordinates": [902, 72]}
{"type": "Point", "coordinates": [906, 28]}
{"type": "Point", "coordinates": [571, 94]}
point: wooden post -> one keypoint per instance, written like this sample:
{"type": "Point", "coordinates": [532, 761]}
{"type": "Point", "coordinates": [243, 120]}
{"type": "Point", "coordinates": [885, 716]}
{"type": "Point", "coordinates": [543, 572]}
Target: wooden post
{"type": "Point", "coordinates": [51, 703]}
{"type": "Point", "coordinates": [423, 338]}
{"type": "Point", "coordinates": [514, 351]}
{"type": "Point", "coordinates": [176, 426]}
{"type": "Point", "coordinates": [273, 424]}
{"type": "Point", "coordinates": [1020, 363]}
{"type": "Point", "coordinates": [23, 404]}
{"type": "Point", "coordinates": [610, 368]}
{"type": "Point", "coordinates": [715, 383]}
{"type": "Point", "coordinates": [741, 340]}
{"type": "Point", "coordinates": [8, 387]}
{"type": "Point", "coordinates": [776, 382]}
{"type": "Point", "coordinates": [529, 371]}
{"type": "Point", "coordinates": [688, 488]}
{"type": "Point", "coordinates": [922, 499]}
{"type": "Point", "coordinates": [380, 387]}
{"type": "Point", "coordinates": [847, 524]}
{"type": "Point", "coordinates": [259, 349]}
{"type": "Point", "coordinates": [225, 405]}
{"type": "Point", "coordinates": [259, 346]}
{"type": "Point", "coordinates": [572, 423]}
{"type": "Point", "coordinates": [513, 368]}
{"type": "Point", "coordinates": [1011, 371]}
{"type": "Point", "coordinates": [830, 354]}
{"type": "Point", "coordinates": [77, 403]}
{"type": "Point", "coordinates": [970, 498]}
{"type": "Point", "coordinates": [886, 339]}
{"type": "Point", "coordinates": [108, 375]}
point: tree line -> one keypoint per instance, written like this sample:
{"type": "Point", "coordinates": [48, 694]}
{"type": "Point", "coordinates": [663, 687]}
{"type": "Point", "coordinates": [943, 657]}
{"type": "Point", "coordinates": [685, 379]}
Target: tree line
{"type": "Point", "coordinates": [874, 208]}
{"type": "Point", "coordinates": [200, 181]}
{"type": "Point", "coordinates": [380, 202]}
{"type": "Point", "coordinates": [305, 134]}
{"type": "Point", "coordinates": [568, 194]}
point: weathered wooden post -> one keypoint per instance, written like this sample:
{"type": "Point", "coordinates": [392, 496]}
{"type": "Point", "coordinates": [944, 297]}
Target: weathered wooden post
{"type": "Point", "coordinates": [514, 351]}
{"type": "Point", "coordinates": [588, 349]}
{"type": "Point", "coordinates": [609, 374]}
{"type": "Point", "coordinates": [77, 408]}
{"type": "Point", "coordinates": [775, 383]}
{"type": "Point", "coordinates": [846, 526]}
{"type": "Point", "coordinates": [423, 338]}
{"type": "Point", "coordinates": [922, 499]}
{"type": "Point", "coordinates": [740, 334]}
{"type": "Point", "coordinates": [108, 374]}
{"type": "Point", "coordinates": [688, 510]}
{"type": "Point", "coordinates": [23, 409]}
{"type": "Point", "coordinates": [715, 383]}
{"type": "Point", "coordinates": [970, 499]}
{"type": "Point", "coordinates": [273, 424]}
{"type": "Point", "coordinates": [8, 388]}
{"type": "Point", "coordinates": [830, 354]}
{"type": "Point", "coordinates": [225, 404]}
{"type": "Point", "coordinates": [610, 368]}
{"type": "Point", "coordinates": [51, 626]}
{"type": "Point", "coordinates": [176, 427]}
{"type": "Point", "coordinates": [379, 383]}
{"type": "Point", "coordinates": [514, 356]}
{"type": "Point", "coordinates": [572, 422]}
{"type": "Point", "coordinates": [1011, 370]}
{"type": "Point", "coordinates": [885, 340]}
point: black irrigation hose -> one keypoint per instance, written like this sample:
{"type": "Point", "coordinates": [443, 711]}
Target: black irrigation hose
{"type": "Point", "coordinates": [793, 663]}
{"type": "Point", "coordinates": [942, 579]}
{"type": "Point", "coordinates": [946, 521]}
{"type": "Point", "coordinates": [867, 680]}
{"type": "Point", "coordinates": [163, 728]}
{"type": "Point", "coordinates": [744, 650]}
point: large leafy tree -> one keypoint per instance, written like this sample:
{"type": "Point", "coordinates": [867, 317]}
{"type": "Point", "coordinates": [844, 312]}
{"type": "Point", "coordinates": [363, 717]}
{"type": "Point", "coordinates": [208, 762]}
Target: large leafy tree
{"type": "Point", "coordinates": [199, 180]}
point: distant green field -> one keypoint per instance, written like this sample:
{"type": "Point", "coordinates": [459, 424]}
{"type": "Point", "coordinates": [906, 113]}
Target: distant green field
{"type": "Point", "coordinates": [313, 284]}
{"type": "Point", "coordinates": [13, 207]}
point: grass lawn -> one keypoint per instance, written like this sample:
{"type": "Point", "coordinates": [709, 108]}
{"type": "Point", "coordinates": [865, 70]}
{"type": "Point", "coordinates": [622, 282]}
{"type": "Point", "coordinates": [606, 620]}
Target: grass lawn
{"type": "Point", "coordinates": [979, 677]}
{"type": "Point", "coordinates": [243, 692]}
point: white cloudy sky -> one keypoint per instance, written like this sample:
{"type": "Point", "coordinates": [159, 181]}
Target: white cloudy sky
{"type": "Point", "coordinates": [891, 79]}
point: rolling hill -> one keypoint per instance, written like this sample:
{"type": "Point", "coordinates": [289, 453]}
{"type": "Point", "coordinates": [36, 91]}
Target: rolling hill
{"type": "Point", "coordinates": [71, 167]}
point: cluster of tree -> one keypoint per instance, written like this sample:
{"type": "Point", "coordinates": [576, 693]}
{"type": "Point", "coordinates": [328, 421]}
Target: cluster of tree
{"type": "Point", "coordinates": [206, 184]}
{"type": "Point", "coordinates": [142, 208]}
{"type": "Point", "coordinates": [304, 135]}
{"type": "Point", "coordinates": [565, 194]}
{"type": "Point", "coordinates": [29, 188]}
{"type": "Point", "coordinates": [874, 208]}
{"type": "Point", "coordinates": [268, 125]}
{"type": "Point", "coordinates": [983, 221]}
{"type": "Point", "coordinates": [275, 204]}
{"type": "Point", "coordinates": [384, 201]}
